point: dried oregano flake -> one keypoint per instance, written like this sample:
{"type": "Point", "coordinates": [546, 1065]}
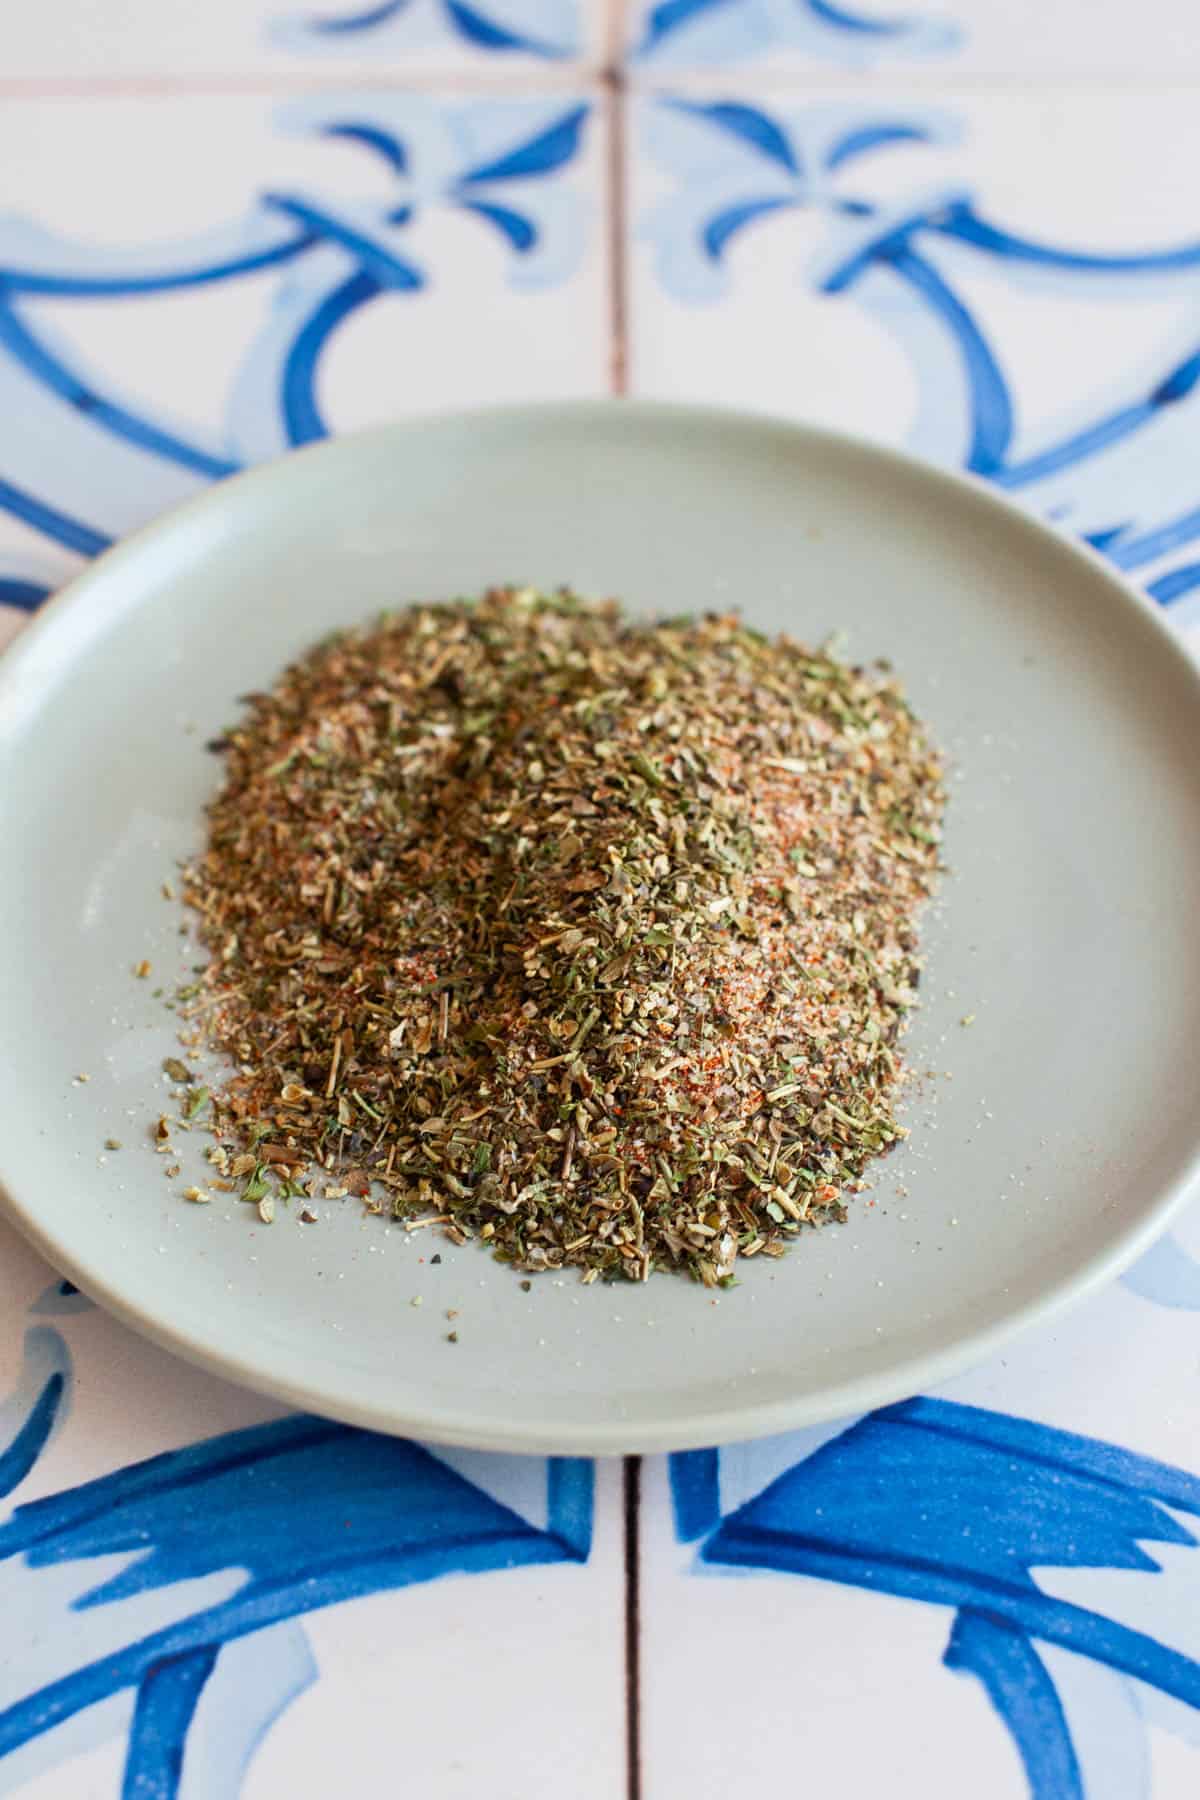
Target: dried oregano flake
{"type": "Point", "coordinates": [585, 937]}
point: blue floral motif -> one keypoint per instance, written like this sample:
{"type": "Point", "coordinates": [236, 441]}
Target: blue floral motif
{"type": "Point", "coordinates": [88, 463]}
{"type": "Point", "coordinates": [163, 1601]}
{"type": "Point", "coordinates": [712, 33]}
{"type": "Point", "coordinates": [547, 29]}
{"type": "Point", "coordinates": [734, 164]}
{"type": "Point", "coordinates": [957, 1506]}
{"type": "Point", "coordinates": [1118, 470]}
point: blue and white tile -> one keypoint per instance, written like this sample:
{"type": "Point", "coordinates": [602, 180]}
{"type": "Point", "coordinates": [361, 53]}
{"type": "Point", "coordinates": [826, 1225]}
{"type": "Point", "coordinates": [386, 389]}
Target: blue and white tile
{"type": "Point", "coordinates": [1006, 283]}
{"type": "Point", "coordinates": [1074, 40]}
{"type": "Point", "coordinates": [71, 41]}
{"type": "Point", "coordinates": [11, 621]}
{"type": "Point", "coordinates": [293, 267]}
{"type": "Point", "coordinates": [934, 39]}
{"type": "Point", "coordinates": [1000, 1583]}
{"type": "Point", "coordinates": [282, 1602]}
{"type": "Point", "coordinates": [64, 41]}
{"type": "Point", "coordinates": [669, 36]}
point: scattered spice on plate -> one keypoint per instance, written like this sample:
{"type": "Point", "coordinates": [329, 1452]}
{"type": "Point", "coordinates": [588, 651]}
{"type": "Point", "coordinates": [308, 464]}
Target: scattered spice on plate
{"type": "Point", "coordinates": [586, 937]}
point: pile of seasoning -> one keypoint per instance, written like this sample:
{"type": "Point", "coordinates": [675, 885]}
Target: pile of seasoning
{"type": "Point", "coordinates": [587, 937]}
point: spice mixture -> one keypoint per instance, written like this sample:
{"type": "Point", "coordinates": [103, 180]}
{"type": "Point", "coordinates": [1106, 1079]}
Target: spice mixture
{"type": "Point", "coordinates": [587, 937]}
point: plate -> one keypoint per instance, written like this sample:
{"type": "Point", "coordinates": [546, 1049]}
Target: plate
{"type": "Point", "coordinates": [1050, 1139]}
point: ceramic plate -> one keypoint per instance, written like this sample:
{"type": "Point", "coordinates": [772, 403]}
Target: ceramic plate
{"type": "Point", "coordinates": [1051, 1138]}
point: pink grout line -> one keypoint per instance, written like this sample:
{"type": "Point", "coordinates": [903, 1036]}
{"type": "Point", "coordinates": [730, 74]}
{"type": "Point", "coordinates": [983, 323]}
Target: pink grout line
{"type": "Point", "coordinates": [442, 80]}
{"type": "Point", "coordinates": [614, 81]}
{"type": "Point", "coordinates": [618, 229]}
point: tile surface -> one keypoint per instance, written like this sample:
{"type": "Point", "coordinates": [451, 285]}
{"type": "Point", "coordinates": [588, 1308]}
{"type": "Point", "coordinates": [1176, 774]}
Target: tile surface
{"type": "Point", "coordinates": [887, 267]}
{"type": "Point", "coordinates": [1020, 41]}
{"type": "Point", "coordinates": [73, 41]}
{"type": "Point", "coordinates": [969, 228]}
{"type": "Point", "coordinates": [303, 265]}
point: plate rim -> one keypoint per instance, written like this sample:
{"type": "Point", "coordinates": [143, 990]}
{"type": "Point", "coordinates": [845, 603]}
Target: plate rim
{"type": "Point", "coordinates": [725, 1423]}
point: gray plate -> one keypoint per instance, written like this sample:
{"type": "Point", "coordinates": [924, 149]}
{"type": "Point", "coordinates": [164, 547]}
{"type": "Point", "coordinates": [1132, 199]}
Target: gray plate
{"type": "Point", "coordinates": [1051, 1150]}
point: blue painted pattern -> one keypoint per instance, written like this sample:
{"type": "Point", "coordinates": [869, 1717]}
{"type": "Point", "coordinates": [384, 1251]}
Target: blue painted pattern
{"type": "Point", "coordinates": [254, 1529]}
{"type": "Point", "coordinates": [1120, 472]}
{"type": "Point", "coordinates": [712, 33]}
{"type": "Point", "coordinates": [90, 462]}
{"type": "Point", "coordinates": [956, 1506]}
{"type": "Point", "coordinates": [546, 29]}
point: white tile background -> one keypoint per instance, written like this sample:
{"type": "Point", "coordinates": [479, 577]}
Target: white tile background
{"type": "Point", "coordinates": [241, 41]}
{"type": "Point", "coordinates": [134, 122]}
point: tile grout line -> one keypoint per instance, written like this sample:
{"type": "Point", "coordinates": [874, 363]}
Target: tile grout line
{"type": "Point", "coordinates": [742, 80]}
{"type": "Point", "coordinates": [632, 1496]}
{"type": "Point", "coordinates": [615, 86]}
{"type": "Point", "coordinates": [617, 210]}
